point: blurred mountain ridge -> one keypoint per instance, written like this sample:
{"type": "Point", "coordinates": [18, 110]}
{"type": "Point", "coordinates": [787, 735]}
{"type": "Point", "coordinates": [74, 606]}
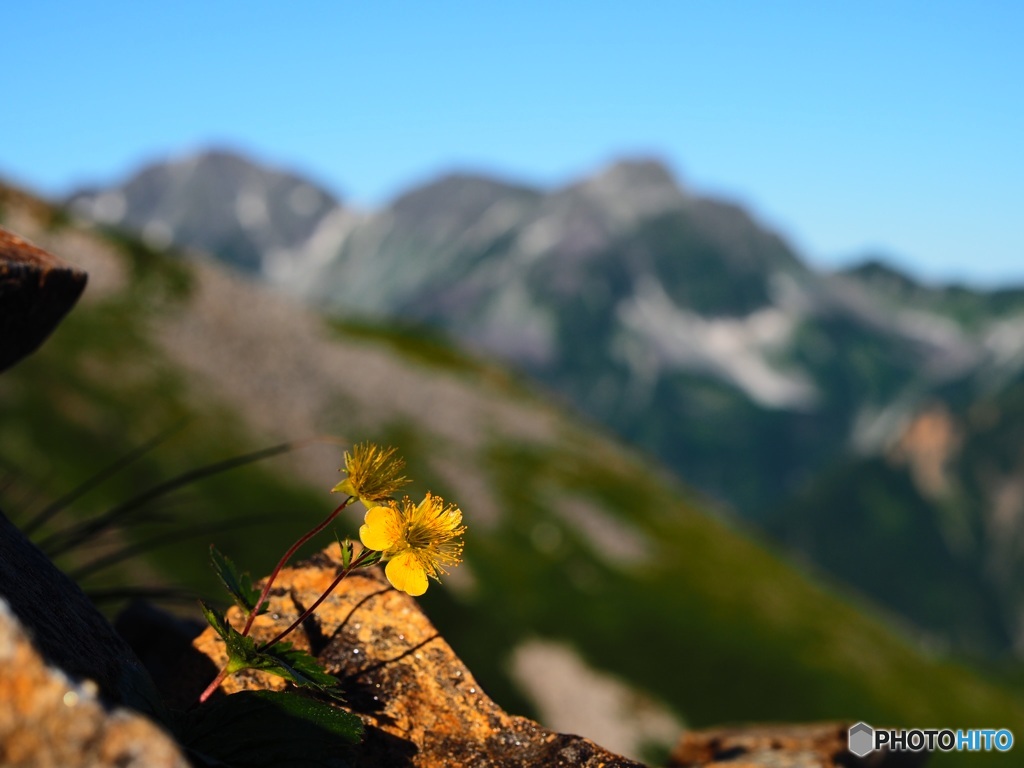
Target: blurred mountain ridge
{"type": "Point", "coordinates": [581, 554]}
{"type": "Point", "coordinates": [683, 325]}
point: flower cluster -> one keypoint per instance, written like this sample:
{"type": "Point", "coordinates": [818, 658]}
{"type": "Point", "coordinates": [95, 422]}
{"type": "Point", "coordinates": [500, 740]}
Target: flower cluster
{"type": "Point", "coordinates": [417, 542]}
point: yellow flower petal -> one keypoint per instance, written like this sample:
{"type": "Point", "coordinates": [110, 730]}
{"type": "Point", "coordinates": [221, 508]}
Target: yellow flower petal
{"type": "Point", "coordinates": [405, 573]}
{"type": "Point", "coordinates": [382, 529]}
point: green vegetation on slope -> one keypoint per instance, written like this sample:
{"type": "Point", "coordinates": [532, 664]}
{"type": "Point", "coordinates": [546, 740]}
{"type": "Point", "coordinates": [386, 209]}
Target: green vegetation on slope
{"type": "Point", "coordinates": [710, 622]}
{"type": "Point", "coordinates": [97, 390]}
{"type": "Point", "coordinates": [589, 546]}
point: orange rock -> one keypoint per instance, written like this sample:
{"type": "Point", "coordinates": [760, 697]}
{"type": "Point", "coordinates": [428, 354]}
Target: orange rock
{"type": "Point", "coordinates": [421, 705]}
{"type": "Point", "coordinates": [49, 721]}
{"type": "Point", "coordinates": [821, 745]}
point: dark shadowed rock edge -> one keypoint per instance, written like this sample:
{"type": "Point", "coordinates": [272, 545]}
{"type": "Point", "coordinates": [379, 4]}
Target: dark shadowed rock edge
{"type": "Point", "coordinates": [36, 291]}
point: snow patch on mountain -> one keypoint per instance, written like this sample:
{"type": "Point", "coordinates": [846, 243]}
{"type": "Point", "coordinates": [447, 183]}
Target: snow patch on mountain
{"type": "Point", "coordinates": [948, 351]}
{"type": "Point", "coordinates": [300, 269]}
{"type": "Point", "coordinates": [736, 350]}
{"type": "Point", "coordinates": [158, 234]}
{"type": "Point", "coordinates": [107, 207]}
{"type": "Point", "coordinates": [515, 327]}
{"type": "Point", "coordinates": [251, 208]}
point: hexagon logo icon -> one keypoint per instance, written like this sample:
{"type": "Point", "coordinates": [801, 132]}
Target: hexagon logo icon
{"type": "Point", "coordinates": [861, 739]}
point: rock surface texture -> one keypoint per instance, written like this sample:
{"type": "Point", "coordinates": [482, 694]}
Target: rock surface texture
{"type": "Point", "coordinates": [781, 746]}
{"type": "Point", "coordinates": [65, 627]}
{"type": "Point", "coordinates": [48, 720]}
{"type": "Point", "coordinates": [420, 703]}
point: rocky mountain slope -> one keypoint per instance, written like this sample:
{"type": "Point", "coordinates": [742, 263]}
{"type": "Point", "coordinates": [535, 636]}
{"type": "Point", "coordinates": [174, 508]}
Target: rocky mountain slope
{"type": "Point", "coordinates": [218, 202]}
{"type": "Point", "coordinates": [581, 557]}
{"type": "Point", "coordinates": [684, 326]}
{"type": "Point", "coordinates": [626, 294]}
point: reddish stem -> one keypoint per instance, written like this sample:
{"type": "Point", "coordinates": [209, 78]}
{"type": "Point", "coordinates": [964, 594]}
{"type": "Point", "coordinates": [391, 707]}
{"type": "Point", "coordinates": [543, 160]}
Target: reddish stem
{"type": "Point", "coordinates": [287, 555]}
{"type": "Point", "coordinates": [357, 563]}
{"type": "Point", "coordinates": [213, 686]}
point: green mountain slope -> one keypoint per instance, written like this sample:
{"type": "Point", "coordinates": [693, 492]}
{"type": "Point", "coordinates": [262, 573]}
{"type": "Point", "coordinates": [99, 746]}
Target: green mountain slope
{"type": "Point", "coordinates": [680, 323]}
{"type": "Point", "coordinates": [939, 515]}
{"type": "Point", "coordinates": [571, 537]}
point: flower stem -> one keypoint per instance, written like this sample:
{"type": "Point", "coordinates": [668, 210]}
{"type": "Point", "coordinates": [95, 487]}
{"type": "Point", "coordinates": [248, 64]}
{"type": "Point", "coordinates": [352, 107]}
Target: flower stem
{"type": "Point", "coordinates": [357, 563]}
{"type": "Point", "coordinates": [214, 685]}
{"type": "Point", "coordinates": [287, 555]}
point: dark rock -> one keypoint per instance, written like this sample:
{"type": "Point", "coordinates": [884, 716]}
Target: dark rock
{"type": "Point", "coordinates": [65, 626]}
{"type": "Point", "coordinates": [36, 290]}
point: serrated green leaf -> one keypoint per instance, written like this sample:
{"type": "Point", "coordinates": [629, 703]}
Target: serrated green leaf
{"type": "Point", "coordinates": [272, 728]}
{"type": "Point", "coordinates": [215, 620]}
{"type": "Point", "coordinates": [296, 666]}
{"type": "Point", "coordinates": [242, 653]}
{"type": "Point", "coordinates": [238, 585]}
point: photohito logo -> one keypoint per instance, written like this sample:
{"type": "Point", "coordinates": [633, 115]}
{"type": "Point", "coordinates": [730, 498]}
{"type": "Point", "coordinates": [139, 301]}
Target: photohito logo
{"type": "Point", "coordinates": [863, 739]}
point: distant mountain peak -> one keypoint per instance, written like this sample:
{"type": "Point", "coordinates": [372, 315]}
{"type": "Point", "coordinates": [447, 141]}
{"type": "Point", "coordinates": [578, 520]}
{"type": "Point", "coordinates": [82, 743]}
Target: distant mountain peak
{"type": "Point", "coordinates": [469, 192]}
{"type": "Point", "coordinates": [875, 267]}
{"type": "Point", "coordinates": [216, 200]}
{"type": "Point", "coordinates": [638, 173]}
{"type": "Point", "coordinates": [631, 190]}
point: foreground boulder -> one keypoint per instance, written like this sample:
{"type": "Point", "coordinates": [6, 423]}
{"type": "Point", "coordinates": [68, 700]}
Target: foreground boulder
{"type": "Point", "coordinates": [36, 290]}
{"type": "Point", "coordinates": [65, 627]}
{"type": "Point", "coordinates": [420, 703]}
{"type": "Point", "coordinates": [49, 720]}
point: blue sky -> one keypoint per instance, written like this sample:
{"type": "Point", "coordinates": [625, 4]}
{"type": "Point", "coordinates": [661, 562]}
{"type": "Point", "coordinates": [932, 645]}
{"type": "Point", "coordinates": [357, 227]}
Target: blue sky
{"type": "Point", "coordinates": [850, 127]}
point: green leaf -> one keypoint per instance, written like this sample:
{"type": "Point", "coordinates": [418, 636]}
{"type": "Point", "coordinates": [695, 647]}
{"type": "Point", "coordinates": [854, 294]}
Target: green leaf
{"type": "Point", "coordinates": [242, 653]}
{"type": "Point", "coordinates": [346, 552]}
{"type": "Point", "coordinates": [215, 620]}
{"type": "Point", "coordinates": [272, 728]}
{"type": "Point", "coordinates": [297, 666]}
{"type": "Point", "coordinates": [239, 585]}
{"type": "Point", "coordinates": [371, 559]}
{"type": "Point", "coordinates": [294, 665]}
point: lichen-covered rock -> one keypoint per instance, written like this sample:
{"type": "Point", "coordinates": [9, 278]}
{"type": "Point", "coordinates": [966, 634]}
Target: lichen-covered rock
{"type": "Point", "coordinates": [420, 703]}
{"type": "Point", "coordinates": [48, 720]}
{"type": "Point", "coordinates": [821, 745]}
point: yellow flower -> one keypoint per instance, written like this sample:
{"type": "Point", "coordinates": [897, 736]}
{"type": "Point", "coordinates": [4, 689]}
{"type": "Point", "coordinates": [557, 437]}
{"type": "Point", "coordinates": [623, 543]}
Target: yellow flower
{"type": "Point", "coordinates": [417, 541]}
{"type": "Point", "coordinates": [373, 473]}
